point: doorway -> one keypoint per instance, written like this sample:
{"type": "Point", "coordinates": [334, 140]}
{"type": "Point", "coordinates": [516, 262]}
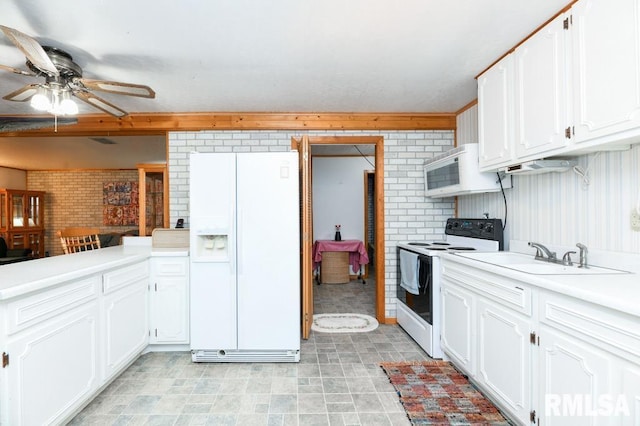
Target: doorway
{"type": "Point", "coordinates": [305, 145]}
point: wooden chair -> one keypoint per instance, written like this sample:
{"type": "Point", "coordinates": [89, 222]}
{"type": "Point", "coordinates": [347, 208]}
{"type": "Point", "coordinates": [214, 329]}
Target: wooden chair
{"type": "Point", "coordinates": [74, 240]}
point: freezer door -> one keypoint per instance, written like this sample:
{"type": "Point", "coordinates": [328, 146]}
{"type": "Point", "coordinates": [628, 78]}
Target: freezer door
{"type": "Point", "coordinates": [212, 251]}
{"type": "Point", "coordinates": [268, 247]}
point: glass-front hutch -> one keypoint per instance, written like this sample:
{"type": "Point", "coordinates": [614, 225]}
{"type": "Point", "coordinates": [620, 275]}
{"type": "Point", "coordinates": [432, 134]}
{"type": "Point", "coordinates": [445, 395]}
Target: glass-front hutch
{"type": "Point", "coordinates": [22, 219]}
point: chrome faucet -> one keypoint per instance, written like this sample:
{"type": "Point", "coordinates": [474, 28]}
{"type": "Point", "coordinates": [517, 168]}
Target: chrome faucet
{"type": "Point", "coordinates": [583, 255]}
{"type": "Point", "coordinates": [566, 259]}
{"type": "Point", "coordinates": [540, 249]}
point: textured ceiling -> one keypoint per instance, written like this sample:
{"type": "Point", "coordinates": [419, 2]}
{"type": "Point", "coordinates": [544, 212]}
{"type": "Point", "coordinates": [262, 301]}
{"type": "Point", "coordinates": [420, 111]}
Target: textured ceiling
{"type": "Point", "coordinates": [277, 56]}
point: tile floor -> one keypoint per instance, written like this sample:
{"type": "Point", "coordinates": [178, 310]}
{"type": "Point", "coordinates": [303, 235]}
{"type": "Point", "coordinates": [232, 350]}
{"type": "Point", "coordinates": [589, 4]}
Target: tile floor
{"type": "Point", "coordinates": [337, 382]}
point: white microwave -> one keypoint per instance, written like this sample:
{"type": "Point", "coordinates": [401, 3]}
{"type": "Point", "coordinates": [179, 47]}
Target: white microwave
{"type": "Point", "coordinates": [456, 172]}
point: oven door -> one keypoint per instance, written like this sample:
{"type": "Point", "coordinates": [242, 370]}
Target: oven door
{"type": "Point", "coordinates": [415, 283]}
{"type": "Point", "coordinates": [418, 314]}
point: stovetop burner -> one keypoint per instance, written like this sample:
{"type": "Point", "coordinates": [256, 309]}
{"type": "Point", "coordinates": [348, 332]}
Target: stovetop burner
{"type": "Point", "coordinates": [430, 244]}
{"type": "Point", "coordinates": [440, 246]}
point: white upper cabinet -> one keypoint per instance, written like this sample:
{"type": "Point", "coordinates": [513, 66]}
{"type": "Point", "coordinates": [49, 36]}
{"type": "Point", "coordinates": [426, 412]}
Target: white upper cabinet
{"type": "Point", "coordinates": [541, 91]}
{"type": "Point", "coordinates": [495, 114]}
{"type": "Point", "coordinates": [606, 76]}
{"type": "Point", "coordinates": [575, 88]}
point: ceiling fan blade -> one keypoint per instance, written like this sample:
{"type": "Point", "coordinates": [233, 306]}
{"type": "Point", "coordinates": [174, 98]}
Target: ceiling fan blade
{"type": "Point", "coordinates": [99, 103]}
{"type": "Point", "coordinates": [32, 50]}
{"type": "Point", "coordinates": [128, 89]}
{"type": "Point", "coordinates": [16, 70]}
{"type": "Point", "coordinates": [16, 124]}
{"type": "Point", "coordinates": [22, 94]}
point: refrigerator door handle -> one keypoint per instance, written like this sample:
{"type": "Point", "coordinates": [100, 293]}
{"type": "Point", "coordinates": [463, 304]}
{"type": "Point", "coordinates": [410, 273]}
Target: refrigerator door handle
{"type": "Point", "coordinates": [239, 241]}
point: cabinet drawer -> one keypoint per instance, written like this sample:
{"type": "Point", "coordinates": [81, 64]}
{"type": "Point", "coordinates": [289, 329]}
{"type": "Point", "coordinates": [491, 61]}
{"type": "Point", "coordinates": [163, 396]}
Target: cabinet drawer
{"type": "Point", "coordinates": [28, 311]}
{"type": "Point", "coordinates": [112, 281]}
{"type": "Point", "coordinates": [170, 267]}
{"type": "Point", "coordinates": [507, 292]}
{"type": "Point", "coordinates": [616, 331]}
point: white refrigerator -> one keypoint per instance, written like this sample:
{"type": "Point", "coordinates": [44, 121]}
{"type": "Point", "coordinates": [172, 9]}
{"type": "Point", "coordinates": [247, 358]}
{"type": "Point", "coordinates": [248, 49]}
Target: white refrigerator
{"type": "Point", "coordinates": [245, 257]}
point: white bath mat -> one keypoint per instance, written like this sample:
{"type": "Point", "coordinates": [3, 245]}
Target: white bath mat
{"type": "Point", "coordinates": [343, 323]}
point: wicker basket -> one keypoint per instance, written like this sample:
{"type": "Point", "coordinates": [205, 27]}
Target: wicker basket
{"type": "Point", "coordinates": [334, 268]}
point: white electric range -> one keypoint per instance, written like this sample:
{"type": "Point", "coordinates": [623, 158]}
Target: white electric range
{"type": "Point", "coordinates": [418, 289]}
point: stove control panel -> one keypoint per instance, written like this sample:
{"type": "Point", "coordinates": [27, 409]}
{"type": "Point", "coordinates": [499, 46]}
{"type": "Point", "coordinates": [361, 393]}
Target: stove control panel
{"type": "Point", "coordinates": [487, 229]}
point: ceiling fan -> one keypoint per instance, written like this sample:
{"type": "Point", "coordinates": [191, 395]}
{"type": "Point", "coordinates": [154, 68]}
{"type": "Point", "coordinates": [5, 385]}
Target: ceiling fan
{"type": "Point", "coordinates": [63, 79]}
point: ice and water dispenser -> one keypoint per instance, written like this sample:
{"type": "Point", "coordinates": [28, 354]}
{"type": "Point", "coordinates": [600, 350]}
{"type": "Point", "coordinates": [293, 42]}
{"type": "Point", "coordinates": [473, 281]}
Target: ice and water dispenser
{"type": "Point", "coordinates": [211, 246]}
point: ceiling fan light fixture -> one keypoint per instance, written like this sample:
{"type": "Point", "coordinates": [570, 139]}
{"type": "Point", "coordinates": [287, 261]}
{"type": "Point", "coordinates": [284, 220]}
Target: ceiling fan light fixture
{"type": "Point", "coordinates": [67, 106]}
{"type": "Point", "coordinates": [40, 100]}
{"type": "Point", "coordinates": [54, 100]}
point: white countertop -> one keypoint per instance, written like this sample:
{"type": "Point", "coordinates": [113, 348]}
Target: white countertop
{"type": "Point", "coordinates": [620, 292]}
{"type": "Point", "coordinates": [18, 279]}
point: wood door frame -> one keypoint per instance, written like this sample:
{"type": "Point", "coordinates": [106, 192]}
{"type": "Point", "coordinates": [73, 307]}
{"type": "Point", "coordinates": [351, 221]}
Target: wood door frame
{"type": "Point", "coordinates": [379, 246]}
{"type": "Point", "coordinates": [306, 228]}
{"type": "Point", "coordinates": [366, 175]}
{"type": "Point", "coordinates": [143, 169]}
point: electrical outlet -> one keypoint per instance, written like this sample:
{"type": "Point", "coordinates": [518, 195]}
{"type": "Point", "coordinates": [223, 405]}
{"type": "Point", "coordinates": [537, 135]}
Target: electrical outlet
{"type": "Point", "coordinates": [635, 220]}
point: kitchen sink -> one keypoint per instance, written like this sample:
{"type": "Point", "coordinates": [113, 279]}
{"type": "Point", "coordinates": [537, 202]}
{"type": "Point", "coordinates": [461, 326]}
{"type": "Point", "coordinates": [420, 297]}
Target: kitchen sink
{"type": "Point", "coordinates": [528, 264]}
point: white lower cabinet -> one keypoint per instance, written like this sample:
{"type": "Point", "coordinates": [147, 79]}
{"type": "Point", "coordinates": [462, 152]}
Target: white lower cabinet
{"type": "Point", "coordinates": [504, 356]}
{"type": "Point", "coordinates": [169, 300]}
{"type": "Point", "coordinates": [458, 322]}
{"type": "Point", "coordinates": [543, 357]}
{"type": "Point", "coordinates": [630, 384]}
{"type": "Point", "coordinates": [52, 368]}
{"type": "Point", "coordinates": [589, 363]}
{"type": "Point", "coordinates": [486, 334]}
{"type": "Point", "coordinates": [63, 345]}
{"type": "Point", "coordinates": [125, 314]}
{"type": "Point", "coordinates": [573, 377]}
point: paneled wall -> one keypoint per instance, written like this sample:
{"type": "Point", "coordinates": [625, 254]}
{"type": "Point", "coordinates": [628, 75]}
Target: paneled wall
{"type": "Point", "coordinates": [564, 208]}
{"type": "Point", "coordinates": [467, 126]}
{"type": "Point", "coordinates": [408, 214]}
{"type": "Point", "coordinates": [74, 198]}
{"type": "Point", "coordinates": [13, 178]}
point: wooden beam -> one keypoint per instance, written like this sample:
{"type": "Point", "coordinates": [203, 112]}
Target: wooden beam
{"type": "Point", "coordinates": [160, 123]}
{"type": "Point", "coordinates": [467, 106]}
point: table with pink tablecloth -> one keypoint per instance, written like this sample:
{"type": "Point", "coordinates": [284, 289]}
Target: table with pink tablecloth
{"type": "Point", "coordinates": [357, 253]}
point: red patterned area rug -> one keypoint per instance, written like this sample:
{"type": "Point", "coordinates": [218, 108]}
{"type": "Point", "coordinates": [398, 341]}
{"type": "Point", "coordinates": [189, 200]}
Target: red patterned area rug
{"type": "Point", "coordinates": [435, 393]}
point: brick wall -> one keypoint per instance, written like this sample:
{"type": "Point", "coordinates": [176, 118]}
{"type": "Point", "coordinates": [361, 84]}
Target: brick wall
{"type": "Point", "coordinates": [74, 198]}
{"type": "Point", "coordinates": [408, 214]}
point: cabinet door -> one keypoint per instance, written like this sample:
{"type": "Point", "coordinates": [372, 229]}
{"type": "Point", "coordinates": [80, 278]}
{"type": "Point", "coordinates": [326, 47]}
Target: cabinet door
{"type": "Point", "coordinates": [629, 407]}
{"type": "Point", "coordinates": [504, 357]}
{"type": "Point", "coordinates": [52, 368]}
{"type": "Point", "coordinates": [541, 91]}
{"type": "Point", "coordinates": [495, 115]}
{"type": "Point", "coordinates": [126, 325]}
{"type": "Point", "coordinates": [169, 300]}
{"type": "Point", "coordinates": [573, 376]}
{"type": "Point", "coordinates": [606, 65]}
{"type": "Point", "coordinates": [17, 206]}
{"type": "Point", "coordinates": [34, 210]}
{"type": "Point", "coordinates": [458, 332]}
